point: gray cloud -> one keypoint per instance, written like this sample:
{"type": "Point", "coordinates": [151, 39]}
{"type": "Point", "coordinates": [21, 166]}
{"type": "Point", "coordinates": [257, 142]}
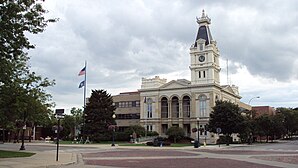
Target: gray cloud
{"type": "Point", "coordinates": [262, 36]}
{"type": "Point", "coordinates": [124, 41]}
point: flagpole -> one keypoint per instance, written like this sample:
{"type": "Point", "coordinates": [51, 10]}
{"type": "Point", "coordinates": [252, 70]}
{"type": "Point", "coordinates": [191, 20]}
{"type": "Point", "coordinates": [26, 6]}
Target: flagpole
{"type": "Point", "coordinates": [84, 111]}
{"type": "Point", "coordinates": [85, 85]}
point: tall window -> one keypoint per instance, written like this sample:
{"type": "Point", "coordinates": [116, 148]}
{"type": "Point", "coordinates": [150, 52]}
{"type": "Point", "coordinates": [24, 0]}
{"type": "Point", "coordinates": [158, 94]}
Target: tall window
{"type": "Point", "coordinates": [149, 128]}
{"type": "Point", "coordinates": [175, 107]}
{"type": "Point", "coordinates": [201, 47]}
{"type": "Point", "coordinates": [202, 74]}
{"type": "Point", "coordinates": [149, 108]}
{"type": "Point", "coordinates": [164, 128]}
{"type": "Point", "coordinates": [203, 105]}
{"type": "Point", "coordinates": [164, 107]}
{"type": "Point", "coordinates": [186, 106]}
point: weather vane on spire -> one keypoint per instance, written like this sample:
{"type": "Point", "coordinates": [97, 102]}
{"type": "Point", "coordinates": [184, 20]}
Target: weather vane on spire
{"type": "Point", "coordinates": [203, 13]}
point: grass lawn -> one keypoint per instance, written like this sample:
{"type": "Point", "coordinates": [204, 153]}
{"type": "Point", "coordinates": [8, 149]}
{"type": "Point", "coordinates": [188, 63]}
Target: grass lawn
{"type": "Point", "coordinates": [180, 145]}
{"type": "Point", "coordinates": [12, 154]}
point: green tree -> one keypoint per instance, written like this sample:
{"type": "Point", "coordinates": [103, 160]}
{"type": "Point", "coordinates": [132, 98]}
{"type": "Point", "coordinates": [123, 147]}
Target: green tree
{"type": "Point", "coordinates": [270, 126]}
{"type": "Point", "coordinates": [139, 130]}
{"type": "Point", "coordinates": [227, 116]}
{"type": "Point", "coordinates": [22, 93]}
{"type": "Point", "coordinates": [290, 120]}
{"type": "Point", "coordinates": [278, 128]}
{"type": "Point", "coordinates": [247, 129]}
{"type": "Point", "coordinates": [99, 111]}
{"type": "Point", "coordinates": [68, 124]}
{"type": "Point", "coordinates": [175, 133]}
{"type": "Point", "coordinates": [72, 123]}
{"type": "Point", "coordinates": [77, 113]}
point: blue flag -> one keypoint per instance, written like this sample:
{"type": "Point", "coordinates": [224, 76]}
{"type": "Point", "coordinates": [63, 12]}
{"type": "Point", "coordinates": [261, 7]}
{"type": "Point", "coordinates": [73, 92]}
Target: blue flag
{"type": "Point", "coordinates": [82, 84]}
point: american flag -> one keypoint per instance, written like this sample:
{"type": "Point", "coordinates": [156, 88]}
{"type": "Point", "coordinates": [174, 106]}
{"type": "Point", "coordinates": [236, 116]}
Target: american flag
{"type": "Point", "coordinates": [83, 71]}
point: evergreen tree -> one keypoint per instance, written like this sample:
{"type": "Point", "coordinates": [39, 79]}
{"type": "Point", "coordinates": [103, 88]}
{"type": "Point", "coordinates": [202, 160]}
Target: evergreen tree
{"type": "Point", "coordinates": [98, 116]}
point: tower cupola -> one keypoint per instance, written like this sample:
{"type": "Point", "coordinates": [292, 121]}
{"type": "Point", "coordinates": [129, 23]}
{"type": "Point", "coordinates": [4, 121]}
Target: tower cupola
{"type": "Point", "coordinates": [204, 31]}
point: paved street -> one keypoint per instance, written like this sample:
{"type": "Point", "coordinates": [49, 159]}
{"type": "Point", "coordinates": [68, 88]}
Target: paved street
{"type": "Point", "coordinates": [191, 158]}
{"type": "Point", "coordinates": [272, 155]}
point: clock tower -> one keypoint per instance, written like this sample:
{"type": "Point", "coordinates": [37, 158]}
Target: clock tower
{"type": "Point", "coordinates": [204, 55]}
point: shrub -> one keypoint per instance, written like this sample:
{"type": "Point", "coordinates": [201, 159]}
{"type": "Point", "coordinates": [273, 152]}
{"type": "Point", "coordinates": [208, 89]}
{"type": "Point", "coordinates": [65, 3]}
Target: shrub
{"type": "Point", "coordinates": [122, 136]}
{"type": "Point", "coordinates": [175, 133]}
{"type": "Point", "coordinates": [152, 133]}
{"type": "Point", "coordinates": [149, 143]}
{"type": "Point", "coordinates": [139, 130]}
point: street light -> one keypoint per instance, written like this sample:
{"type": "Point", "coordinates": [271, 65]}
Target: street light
{"type": "Point", "coordinates": [251, 133]}
{"type": "Point", "coordinates": [23, 137]}
{"type": "Point", "coordinates": [257, 97]}
{"type": "Point", "coordinates": [23, 132]}
{"type": "Point", "coordinates": [113, 141]}
{"type": "Point", "coordinates": [253, 98]}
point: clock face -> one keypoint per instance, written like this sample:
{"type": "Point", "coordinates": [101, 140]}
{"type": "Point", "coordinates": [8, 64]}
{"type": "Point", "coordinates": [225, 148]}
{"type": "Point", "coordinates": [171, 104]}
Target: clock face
{"type": "Point", "coordinates": [201, 58]}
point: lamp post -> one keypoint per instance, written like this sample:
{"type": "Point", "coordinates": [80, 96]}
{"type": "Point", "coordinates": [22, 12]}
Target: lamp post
{"type": "Point", "coordinates": [197, 140]}
{"type": "Point", "coordinates": [251, 133]}
{"type": "Point", "coordinates": [257, 97]}
{"type": "Point", "coordinates": [23, 132]}
{"type": "Point", "coordinates": [113, 140]}
{"type": "Point", "coordinates": [23, 137]}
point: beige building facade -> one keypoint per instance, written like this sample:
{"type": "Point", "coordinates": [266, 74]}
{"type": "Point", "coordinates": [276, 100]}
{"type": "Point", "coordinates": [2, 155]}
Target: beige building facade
{"type": "Point", "coordinates": [127, 109]}
{"type": "Point", "coordinates": [187, 103]}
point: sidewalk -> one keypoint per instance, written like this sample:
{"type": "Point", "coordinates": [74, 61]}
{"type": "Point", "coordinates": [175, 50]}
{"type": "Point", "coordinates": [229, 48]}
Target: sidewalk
{"type": "Point", "coordinates": [40, 160]}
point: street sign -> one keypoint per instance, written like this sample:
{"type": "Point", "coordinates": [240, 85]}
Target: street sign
{"type": "Point", "coordinates": [218, 130]}
{"type": "Point", "coordinates": [59, 111]}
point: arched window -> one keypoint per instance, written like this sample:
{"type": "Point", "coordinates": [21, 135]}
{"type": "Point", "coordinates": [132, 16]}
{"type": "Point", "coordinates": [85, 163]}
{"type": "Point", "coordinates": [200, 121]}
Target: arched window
{"type": "Point", "coordinates": [149, 108]}
{"type": "Point", "coordinates": [186, 106]}
{"type": "Point", "coordinates": [203, 106]}
{"type": "Point", "coordinates": [175, 107]}
{"type": "Point", "coordinates": [164, 107]}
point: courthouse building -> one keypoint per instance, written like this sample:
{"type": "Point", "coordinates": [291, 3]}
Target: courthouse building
{"type": "Point", "coordinates": [187, 103]}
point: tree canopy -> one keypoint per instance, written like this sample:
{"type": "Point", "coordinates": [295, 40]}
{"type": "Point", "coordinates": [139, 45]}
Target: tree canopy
{"type": "Point", "coordinates": [227, 116]}
{"type": "Point", "coordinates": [175, 133]}
{"type": "Point", "coordinates": [22, 92]}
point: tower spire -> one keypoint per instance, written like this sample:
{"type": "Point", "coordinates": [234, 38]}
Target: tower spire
{"type": "Point", "coordinates": [204, 19]}
{"type": "Point", "coordinates": [204, 32]}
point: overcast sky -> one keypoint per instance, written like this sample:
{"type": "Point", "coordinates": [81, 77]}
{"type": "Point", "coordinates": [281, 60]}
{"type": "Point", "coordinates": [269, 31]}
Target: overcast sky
{"type": "Point", "coordinates": [123, 41]}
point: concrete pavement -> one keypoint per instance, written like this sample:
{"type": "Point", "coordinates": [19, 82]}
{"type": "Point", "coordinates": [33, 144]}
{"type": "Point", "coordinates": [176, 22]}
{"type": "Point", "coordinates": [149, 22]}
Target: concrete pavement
{"type": "Point", "coordinates": [40, 160]}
